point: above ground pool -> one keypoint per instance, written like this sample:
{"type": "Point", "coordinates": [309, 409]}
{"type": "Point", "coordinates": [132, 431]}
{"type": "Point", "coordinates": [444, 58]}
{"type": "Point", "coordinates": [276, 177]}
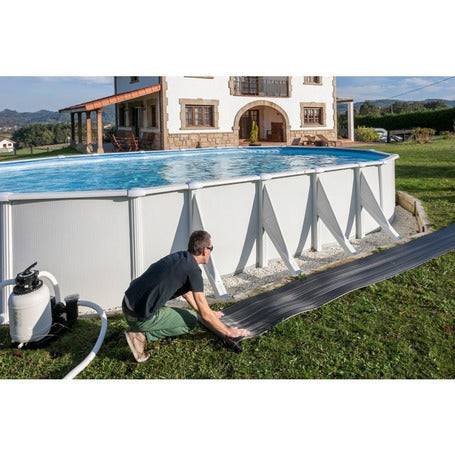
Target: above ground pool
{"type": "Point", "coordinates": [98, 221]}
{"type": "Point", "coordinates": [151, 169]}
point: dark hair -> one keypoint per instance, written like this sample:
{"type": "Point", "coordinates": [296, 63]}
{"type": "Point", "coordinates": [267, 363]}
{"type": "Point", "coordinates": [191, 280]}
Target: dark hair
{"type": "Point", "coordinates": [198, 241]}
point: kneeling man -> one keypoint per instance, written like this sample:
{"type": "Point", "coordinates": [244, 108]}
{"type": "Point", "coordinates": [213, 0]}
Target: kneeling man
{"type": "Point", "coordinates": [177, 274]}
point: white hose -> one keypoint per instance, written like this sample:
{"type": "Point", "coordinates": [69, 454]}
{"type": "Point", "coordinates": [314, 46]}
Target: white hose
{"type": "Point", "coordinates": [102, 314]}
{"type": "Point", "coordinates": [7, 282]}
{"type": "Point", "coordinates": [51, 278]}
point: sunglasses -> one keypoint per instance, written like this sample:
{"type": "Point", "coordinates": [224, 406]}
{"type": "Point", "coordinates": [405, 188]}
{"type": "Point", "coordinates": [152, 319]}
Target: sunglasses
{"type": "Point", "coordinates": [210, 248]}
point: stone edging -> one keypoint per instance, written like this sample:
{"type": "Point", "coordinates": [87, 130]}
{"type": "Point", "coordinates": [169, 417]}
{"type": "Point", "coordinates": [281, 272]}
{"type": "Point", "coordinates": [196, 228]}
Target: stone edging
{"type": "Point", "coordinates": [414, 206]}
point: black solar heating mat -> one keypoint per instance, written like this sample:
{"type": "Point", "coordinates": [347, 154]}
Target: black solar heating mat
{"type": "Point", "coordinates": [262, 312]}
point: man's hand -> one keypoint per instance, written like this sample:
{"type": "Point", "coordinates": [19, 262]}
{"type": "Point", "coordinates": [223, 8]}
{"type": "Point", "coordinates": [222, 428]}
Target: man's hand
{"type": "Point", "coordinates": [211, 318]}
{"type": "Point", "coordinates": [235, 332]}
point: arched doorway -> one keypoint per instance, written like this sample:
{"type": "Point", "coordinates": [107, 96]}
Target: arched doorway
{"type": "Point", "coordinates": [271, 119]}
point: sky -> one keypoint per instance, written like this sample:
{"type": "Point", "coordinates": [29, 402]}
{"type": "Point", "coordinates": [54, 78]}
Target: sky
{"type": "Point", "coordinates": [372, 88]}
{"type": "Point", "coordinates": [30, 94]}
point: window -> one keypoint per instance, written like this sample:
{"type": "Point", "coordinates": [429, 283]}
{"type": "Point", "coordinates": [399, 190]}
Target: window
{"type": "Point", "coordinates": [249, 85]}
{"type": "Point", "coordinates": [199, 115]}
{"type": "Point", "coordinates": [278, 86]}
{"type": "Point", "coordinates": [312, 114]}
{"type": "Point", "coordinates": [134, 79]}
{"type": "Point", "coordinates": [151, 120]}
{"type": "Point", "coordinates": [314, 80]}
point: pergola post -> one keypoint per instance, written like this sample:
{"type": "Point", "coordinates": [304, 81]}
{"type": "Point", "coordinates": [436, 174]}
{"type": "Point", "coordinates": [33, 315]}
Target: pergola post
{"type": "Point", "coordinates": [88, 131]}
{"type": "Point", "coordinates": [350, 120]}
{"type": "Point", "coordinates": [99, 126]}
{"type": "Point", "coordinates": [127, 116]}
{"type": "Point", "coordinates": [73, 130]}
{"type": "Point", "coordinates": [144, 114]}
{"type": "Point", "coordinates": [79, 127]}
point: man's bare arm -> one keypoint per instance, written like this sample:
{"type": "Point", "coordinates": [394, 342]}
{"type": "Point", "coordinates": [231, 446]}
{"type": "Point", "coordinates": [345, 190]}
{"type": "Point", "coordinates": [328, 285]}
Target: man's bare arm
{"type": "Point", "coordinates": [211, 318]}
{"type": "Point", "coordinates": [189, 297]}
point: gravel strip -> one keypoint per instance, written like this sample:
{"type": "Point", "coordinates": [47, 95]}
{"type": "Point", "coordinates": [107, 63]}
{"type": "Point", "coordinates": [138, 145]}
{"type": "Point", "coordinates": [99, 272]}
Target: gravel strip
{"type": "Point", "coordinates": [254, 280]}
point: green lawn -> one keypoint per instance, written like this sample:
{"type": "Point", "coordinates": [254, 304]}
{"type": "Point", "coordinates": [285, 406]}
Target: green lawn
{"type": "Point", "coordinates": [39, 152]}
{"type": "Point", "coordinates": [401, 328]}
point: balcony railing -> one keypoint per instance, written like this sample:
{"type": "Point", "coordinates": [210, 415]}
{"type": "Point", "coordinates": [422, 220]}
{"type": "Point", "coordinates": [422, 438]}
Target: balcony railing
{"type": "Point", "coordinates": [260, 86]}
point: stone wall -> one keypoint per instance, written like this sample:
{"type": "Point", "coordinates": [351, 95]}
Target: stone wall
{"type": "Point", "coordinates": [192, 140]}
{"type": "Point", "coordinates": [212, 139]}
{"type": "Point", "coordinates": [329, 134]}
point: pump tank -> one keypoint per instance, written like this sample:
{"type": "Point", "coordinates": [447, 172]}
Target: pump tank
{"type": "Point", "coordinates": [29, 307]}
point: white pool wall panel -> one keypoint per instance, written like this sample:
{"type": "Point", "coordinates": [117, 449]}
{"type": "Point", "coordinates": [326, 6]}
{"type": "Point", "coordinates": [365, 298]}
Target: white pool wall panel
{"type": "Point", "coordinates": [290, 198]}
{"type": "Point", "coordinates": [388, 187]}
{"type": "Point", "coordinates": [228, 211]}
{"type": "Point", "coordinates": [339, 188]}
{"type": "Point", "coordinates": [84, 243]}
{"type": "Point", "coordinates": [165, 225]}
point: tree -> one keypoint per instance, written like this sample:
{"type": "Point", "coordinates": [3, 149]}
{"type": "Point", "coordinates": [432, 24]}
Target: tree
{"type": "Point", "coordinates": [61, 133]}
{"type": "Point", "coordinates": [38, 134]}
{"type": "Point", "coordinates": [369, 108]}
{"type": "Point", "coordinates": [436, 104]}
{"type": "Point", "coordinates": [398, 107]}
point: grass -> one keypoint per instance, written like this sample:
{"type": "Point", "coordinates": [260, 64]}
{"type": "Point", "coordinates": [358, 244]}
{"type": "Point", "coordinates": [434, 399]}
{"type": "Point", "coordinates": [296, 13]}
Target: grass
{"type": "Point", "coordinates": [400, 328]}
{"type": "Point", "coordinates": [39, 152]}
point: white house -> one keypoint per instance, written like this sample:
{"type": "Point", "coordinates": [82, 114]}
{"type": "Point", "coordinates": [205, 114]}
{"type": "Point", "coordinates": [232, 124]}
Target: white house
{"type": "Point", "coordinates": [6, 145]}
{"type": "Point", "coordinates": [205, 111]}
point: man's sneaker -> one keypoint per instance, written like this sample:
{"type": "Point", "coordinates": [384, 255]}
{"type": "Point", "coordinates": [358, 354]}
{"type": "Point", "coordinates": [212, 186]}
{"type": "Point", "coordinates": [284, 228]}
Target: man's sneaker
{"type": "Point", "coordinates": [137, 343]}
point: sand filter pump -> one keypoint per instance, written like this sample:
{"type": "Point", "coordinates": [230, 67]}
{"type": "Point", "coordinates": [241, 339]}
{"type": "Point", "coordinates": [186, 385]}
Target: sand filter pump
{"type": "Point", "coordinates": [35, 317]}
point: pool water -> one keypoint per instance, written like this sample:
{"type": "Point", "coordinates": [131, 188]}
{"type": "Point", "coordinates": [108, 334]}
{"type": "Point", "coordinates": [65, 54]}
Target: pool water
{"type": "Point", "coordinates": [149, 169]}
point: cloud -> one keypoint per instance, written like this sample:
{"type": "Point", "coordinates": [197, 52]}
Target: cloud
{"type": "Point", "coordinates": [363, 88]}
{"type": "Point", "coordinates": [90, 80]}
{"type": "Point", "coordinates": [98, 79]}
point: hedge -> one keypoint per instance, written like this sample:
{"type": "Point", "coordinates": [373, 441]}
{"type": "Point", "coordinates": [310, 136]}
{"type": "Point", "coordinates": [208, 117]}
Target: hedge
{"type": "Point", "coordinates": [440, 120]}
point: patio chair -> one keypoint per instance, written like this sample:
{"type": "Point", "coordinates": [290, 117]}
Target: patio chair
{"type": "Point", "coordinates": [309, 140]}
{"type": "Point", "coordinates": [295, 141]}
{"type": "Point", "coordinates": [124, 141]}
{"type": "Point", "coordinates": [147, 141]}
{"type": "Point", "coordinates": [326, 142]}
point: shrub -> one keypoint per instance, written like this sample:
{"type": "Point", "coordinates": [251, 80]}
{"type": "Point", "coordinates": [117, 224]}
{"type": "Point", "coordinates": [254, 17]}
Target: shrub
{"type": "Point", "coordinates": [254, 133]}
{"type": "Point", "coordinates": [364, 134]}
{"type": "Point", "coordinates": [446, 134]}
{"type": "Point", "coordinates": [439, 120]}
{"type": "Point", "coordinates": [422, 135]}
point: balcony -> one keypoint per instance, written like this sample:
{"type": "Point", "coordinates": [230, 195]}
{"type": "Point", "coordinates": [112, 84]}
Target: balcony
{"type": "Point", "coordinates": [260, 86]}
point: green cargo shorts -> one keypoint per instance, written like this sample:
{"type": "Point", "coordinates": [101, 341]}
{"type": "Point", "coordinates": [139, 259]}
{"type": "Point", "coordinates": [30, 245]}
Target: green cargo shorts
{"type": "Point", "coordinates": [166, 322]}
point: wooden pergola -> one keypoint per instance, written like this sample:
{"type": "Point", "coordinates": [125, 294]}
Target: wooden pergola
{"type": "Point", "coordinates": [97, 106]}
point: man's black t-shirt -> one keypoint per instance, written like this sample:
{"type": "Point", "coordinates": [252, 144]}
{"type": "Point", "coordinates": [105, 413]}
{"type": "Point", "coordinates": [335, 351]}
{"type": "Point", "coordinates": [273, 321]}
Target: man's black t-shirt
{"type": "Point", "coordinates": [170, 277]}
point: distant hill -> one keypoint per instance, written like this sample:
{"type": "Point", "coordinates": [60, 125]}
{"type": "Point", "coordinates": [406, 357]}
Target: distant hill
{"type": "Point", "coordinates": [387, 102]}
{"type": "Point", "coordinates": [14, 119]}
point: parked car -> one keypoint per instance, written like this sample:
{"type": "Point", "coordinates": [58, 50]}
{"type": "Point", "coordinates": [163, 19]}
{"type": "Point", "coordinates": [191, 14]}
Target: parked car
{"type": "Point", "coordinates": [382, 133]}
